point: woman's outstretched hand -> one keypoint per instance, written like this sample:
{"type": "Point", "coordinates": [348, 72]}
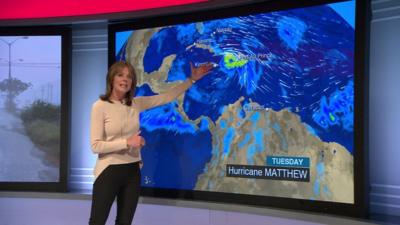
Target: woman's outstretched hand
{"type": "Point", "coordinates": [201, 71]}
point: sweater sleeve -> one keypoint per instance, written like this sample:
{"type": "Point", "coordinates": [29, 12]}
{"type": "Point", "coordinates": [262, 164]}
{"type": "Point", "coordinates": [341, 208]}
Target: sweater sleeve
{"type": "Point", "coordinates": [97, 142]}
{"type": "Point", "coordinates": [147, 102]}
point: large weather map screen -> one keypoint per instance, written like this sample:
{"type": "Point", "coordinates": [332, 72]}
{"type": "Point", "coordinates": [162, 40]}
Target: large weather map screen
{"type": "Point", "coordinates": [273, 118]}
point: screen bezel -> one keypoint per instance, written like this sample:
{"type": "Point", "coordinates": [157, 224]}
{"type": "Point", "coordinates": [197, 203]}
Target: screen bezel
{"type": "Point", "coordinates": [361, 61]}
{"type": "Point", "coordinates": [65, 33]}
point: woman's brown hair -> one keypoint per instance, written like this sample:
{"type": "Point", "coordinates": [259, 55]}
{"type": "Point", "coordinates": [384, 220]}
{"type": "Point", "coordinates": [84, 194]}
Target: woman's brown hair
{"type": "Point", "coordinates": [116, 68]}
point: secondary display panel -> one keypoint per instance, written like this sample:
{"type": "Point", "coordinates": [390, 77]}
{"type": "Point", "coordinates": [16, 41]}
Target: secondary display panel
{"type": "Point", "coordinates": [33, 84]}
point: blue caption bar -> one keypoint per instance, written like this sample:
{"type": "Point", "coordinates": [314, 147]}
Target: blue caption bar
{"type": "Point", "coordinates": [288, 161]}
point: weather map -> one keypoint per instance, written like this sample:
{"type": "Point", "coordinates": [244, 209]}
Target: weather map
{"type": "Point", "coordinates": [281, 94]}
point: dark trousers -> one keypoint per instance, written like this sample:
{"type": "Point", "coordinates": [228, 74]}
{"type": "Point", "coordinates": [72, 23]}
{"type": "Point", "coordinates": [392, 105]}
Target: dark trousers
{"type": "Point", "coordinates": [121, 181]}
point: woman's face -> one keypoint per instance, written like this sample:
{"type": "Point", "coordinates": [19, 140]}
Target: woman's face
{"type": "Point", "coordinates": [122, 81]}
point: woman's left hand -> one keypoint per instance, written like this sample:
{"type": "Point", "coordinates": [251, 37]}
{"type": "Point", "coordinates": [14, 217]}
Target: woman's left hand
{"type": "Point", "coordinates": [201, 71]}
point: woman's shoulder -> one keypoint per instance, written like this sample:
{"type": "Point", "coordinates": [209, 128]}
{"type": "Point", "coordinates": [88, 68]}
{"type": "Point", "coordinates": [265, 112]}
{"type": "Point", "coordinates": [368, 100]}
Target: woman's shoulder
{"type": "Point", "coordinates": [99, 103]}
